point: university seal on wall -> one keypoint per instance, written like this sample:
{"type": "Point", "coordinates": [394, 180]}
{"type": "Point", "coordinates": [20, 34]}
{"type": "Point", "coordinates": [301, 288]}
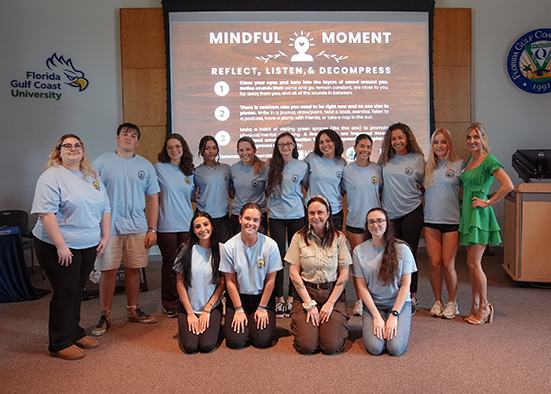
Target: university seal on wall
{"type": "Point", "coordinates": [529, 61]}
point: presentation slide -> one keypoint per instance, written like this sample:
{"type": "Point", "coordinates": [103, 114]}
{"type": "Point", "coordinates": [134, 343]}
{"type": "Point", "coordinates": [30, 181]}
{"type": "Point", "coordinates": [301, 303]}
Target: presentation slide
{"type": "Point", "coordinates": [259, 74]}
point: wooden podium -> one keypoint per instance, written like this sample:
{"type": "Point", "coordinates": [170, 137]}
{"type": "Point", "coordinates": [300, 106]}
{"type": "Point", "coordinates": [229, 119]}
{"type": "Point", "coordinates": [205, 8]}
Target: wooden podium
{"type": "Point", "coordinates": [527, 254]}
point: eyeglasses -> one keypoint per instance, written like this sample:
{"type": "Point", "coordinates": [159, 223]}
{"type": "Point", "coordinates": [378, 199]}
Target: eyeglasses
{"type": "Point", "coordinates": [286, 145]}
{"type": "Point", "coordinates": [76, 146]}
{"type": "Point", "coordinates": [379, 222]}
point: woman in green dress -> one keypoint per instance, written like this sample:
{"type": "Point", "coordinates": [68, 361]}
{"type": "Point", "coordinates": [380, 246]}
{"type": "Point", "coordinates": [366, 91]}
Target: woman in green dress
{"type": "Point", "coordinates": [479, 226]}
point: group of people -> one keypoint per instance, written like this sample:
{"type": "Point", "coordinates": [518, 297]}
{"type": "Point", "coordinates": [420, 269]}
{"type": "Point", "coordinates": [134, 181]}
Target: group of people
{"type": "Point", "coordinates": [98, 213]}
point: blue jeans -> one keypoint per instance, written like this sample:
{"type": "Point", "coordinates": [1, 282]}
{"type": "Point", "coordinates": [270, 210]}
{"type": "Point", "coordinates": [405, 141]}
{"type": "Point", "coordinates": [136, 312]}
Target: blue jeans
{"type": "Point", "coordinates": [395, 346]}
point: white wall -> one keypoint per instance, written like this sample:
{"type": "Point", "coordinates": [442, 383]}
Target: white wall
{"type": "Point", "coordinates": [30, 32]}
{"type": "Point", "coordinates": [513, 118]}
{"type": "Point", "coordinates": [88, 32]}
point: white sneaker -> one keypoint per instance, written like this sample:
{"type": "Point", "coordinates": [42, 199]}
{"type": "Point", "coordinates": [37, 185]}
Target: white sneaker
{"type": "Point", "coordinates": [358, 308]}
{"type": "Point", "coordinates": [280, 310]}
{"type": "Point", "coordinates": [450, 311]}
{"type": "Point", "coordinates": [288, 308]}
{"type": "Point", "coordinates": [414, 306]}
{"type": "Point", "coordinates": [436, 310]}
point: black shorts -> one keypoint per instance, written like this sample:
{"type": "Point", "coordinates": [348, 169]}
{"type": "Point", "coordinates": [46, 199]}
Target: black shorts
{"type": "Point", "coordinates": [354, 230]}
{"type": "Point", "coordinates": [443, 228]}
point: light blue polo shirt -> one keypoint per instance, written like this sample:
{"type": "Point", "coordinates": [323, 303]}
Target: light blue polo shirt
{"type": "Point", "coordinates": [366, 260]}
{"type": "Point", "coordinates": [250, 264]}
{"type": "Point", "coordinates": [213, 190]}
{"type": "Point", "coordinates": [325, 179]}
{"type": "Point", "coordinates": [289, 205]}
{"type": "Point", "coordinates": [249, 187]}
{"type": "Point", "coordinates": [127, 182]}
{"type": "Point", "coordinates": [363, 186]}
{"type": "Point", "coordinates": [442, 200]}
{"type": "Point", "coordinates": [78, 205]}
{"type": "Point", "coordinates": [403, 177]}
{"type": "Point", "coordinates": [175, 210]}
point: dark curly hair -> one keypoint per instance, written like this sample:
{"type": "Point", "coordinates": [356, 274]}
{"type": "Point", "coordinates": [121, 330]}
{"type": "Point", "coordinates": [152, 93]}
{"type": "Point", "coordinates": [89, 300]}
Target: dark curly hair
{"type": "Point", "coordinates": [186, 163]}
{"type": "Point", "coordinates": [339, 148]}
{"type": "Point", "coordinates": [387, 149]}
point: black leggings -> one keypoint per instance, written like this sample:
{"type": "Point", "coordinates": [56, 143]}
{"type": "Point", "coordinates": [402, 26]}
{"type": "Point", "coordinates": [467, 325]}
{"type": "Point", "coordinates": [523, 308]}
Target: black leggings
{"type": "Point", "coordinates": [281, 231]}
{"type": "Point", "coordinates": [408, 228]}
{"type": "Point", "coordinates": [260, 338]}
{"type": "Point", "coordinates": [206, 342]}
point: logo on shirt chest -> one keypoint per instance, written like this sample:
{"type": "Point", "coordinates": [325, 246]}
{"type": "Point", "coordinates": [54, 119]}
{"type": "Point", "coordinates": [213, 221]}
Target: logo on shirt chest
{"type": "Point", "coordinates": [408, 171]}
{"type": "Point", "coordinates": [294, 178]}
{"type": "Point", "coordinates": [96, 185]}
{"type": "Point", "coordinates": [261, 263]}
{"type": "Point", "coordinates": [188, 180]}
{"type": "Point", "coordinates": [374, 180]}
{"type": "Point", "coordinates": [255, 183]}
{"type": "Point", "coordinates": [450, 174]}
{"type": "Point", "coordinates": [339, 174]}
{"type": "Point", "coordinates": [226, 177]}
{"type": "Point", "coordinates": [141, 175]}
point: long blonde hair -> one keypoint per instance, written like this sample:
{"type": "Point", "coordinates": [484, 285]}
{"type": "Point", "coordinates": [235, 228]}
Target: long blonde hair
{"type": "Point", "coordinates": [481, 131]}
{"type": "Point", "coordinates": [451, 157]}
{"type": "Point", "coordinates": [54, 159]}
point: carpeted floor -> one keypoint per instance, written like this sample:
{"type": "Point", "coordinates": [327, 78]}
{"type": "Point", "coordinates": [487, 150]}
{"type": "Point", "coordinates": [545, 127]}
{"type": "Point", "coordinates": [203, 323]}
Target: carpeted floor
{"type": "Point", "coordinates": [512, 355]}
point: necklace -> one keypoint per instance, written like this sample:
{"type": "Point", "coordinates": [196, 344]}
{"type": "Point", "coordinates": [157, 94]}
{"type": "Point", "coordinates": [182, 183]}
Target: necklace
{"type": "Point", "coordinates": [212, 168]}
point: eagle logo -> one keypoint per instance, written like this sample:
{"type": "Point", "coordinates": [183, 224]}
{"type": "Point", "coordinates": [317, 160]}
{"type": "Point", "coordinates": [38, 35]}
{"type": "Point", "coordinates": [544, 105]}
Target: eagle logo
{"type": "Point", "coordinates": [74, 77]}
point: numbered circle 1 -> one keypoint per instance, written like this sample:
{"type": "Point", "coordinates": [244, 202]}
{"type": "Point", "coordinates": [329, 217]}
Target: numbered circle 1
{"type": "Point", "coordinates": [223, 138]}
{"type": "Point", "coordinates": [221, 88]}
{"type": "Point", "coordinates": [222, 113]}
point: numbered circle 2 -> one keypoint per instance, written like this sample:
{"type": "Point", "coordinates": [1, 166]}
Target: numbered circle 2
{"type": "Point", "coordinates": [223, 138]}
{"type": "Point", "coordinates": [222, 113]}
{"type": "Point", "coordinates": [221, 88]}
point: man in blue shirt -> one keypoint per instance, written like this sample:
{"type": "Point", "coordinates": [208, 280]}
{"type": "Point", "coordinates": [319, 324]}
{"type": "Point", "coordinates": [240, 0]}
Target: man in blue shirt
{"type": "Point", "coordinates": [127, 178]}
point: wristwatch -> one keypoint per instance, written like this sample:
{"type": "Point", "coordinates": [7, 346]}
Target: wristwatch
{"type": "Point", "coordinates": [396, 313]}
{"type": "Point", "coordinates": [153, 230]}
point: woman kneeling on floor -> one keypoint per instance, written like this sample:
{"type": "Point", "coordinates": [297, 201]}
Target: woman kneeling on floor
{"type": "Point", "coordinates": [200, 286]}
{"type": "Point", "coordinates": [250, 261]}
{"type": "Point", "coordinates": [382, 274]}
{"type": "Point", "coordinates": [320, 261]}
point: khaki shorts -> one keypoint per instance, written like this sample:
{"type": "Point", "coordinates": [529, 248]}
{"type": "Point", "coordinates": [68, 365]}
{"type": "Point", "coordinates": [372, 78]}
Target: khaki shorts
{"type": "Point", "coordinates": [128, 249]}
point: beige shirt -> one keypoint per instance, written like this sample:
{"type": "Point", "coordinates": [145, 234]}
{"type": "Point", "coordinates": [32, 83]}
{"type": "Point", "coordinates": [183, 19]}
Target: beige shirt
{"type": "Point", "coordinates": [318, 265]}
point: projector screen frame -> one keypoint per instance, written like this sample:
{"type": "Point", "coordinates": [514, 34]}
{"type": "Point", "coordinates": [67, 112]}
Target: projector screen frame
{"type": "Point", "coordinates": [425, 6]}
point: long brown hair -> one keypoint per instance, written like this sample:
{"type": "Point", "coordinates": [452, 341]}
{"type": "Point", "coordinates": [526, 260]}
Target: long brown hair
{"type": "Point", "coordinates": [386, 146]}
{"type": "Point", "coordinates": [186, 162]}
{"type": "Point", "coordinates": [388, 268]}
{"type": "Point", "coordinates": [331, 232]}
{"type": "Point", "coordinates": [277, 165]}
{"type": "Point", "coordinates": [54, 158]}
{"type": "Point", "coordinates": [183, 254]}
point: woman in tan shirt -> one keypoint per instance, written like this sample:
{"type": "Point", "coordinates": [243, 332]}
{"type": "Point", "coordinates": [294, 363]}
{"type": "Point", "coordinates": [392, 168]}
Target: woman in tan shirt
{"type": "Point", "coordinates": [319, 269]}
